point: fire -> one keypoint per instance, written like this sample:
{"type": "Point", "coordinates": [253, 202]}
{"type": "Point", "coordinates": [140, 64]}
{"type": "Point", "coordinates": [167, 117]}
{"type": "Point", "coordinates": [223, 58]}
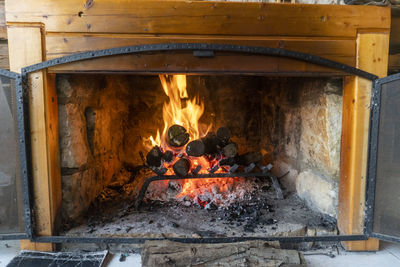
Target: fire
{"type": "Point", "coordinates": [186, 112]}
{"type": "Point", "coordinates": [178, 110]}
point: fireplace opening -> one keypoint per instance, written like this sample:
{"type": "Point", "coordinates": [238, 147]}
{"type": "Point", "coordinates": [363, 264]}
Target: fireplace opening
{"type": "Point", "coordinates": [116, 131]}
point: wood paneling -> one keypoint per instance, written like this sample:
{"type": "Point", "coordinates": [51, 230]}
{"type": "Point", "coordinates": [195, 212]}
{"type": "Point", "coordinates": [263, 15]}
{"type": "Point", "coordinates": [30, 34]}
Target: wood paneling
{"type": "Point", "coordinates": [198, 17]}
{"type": "Point", "coordinates": [187, 63]}
{"type": "Point", "coordinates": [341, 50]}
{"type": "Point", "coordinates": [372, 56]}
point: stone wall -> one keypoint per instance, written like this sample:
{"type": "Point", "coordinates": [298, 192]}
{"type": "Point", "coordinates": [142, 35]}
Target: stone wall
{"type": "Point", "coordinates": [306, 136]}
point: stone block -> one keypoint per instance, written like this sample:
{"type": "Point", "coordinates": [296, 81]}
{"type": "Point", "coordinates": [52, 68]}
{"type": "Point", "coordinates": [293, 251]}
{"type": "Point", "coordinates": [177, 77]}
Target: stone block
{"type": "Point", "coordinates": [74, 151]}
{"type": "Point", "coordinates": [317, 192]}
{"type": "Point", "coordinates": [78, 191]}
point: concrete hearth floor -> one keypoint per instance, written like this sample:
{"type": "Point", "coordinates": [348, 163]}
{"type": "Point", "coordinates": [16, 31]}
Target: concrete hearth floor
{"type": "Point", "coordinates": [389, 255]}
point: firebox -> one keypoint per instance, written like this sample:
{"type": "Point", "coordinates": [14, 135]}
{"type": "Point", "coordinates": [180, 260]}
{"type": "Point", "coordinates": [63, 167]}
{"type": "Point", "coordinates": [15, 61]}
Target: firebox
{"type": "Point", "coordinates": [205, 133]}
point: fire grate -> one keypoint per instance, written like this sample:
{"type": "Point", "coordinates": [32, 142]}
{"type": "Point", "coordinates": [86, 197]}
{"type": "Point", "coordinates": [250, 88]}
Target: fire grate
{"type": "Point", "coordinates": [266, 174]}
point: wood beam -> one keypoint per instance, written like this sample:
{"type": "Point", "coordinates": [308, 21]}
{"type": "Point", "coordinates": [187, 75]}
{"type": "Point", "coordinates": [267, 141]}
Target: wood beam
{"type": "Point", "coordinates": [372, 56]}
{"type": "Point", "coordinates": [199, 17]}
{"type": "Point", "coordinates": [337, 49]}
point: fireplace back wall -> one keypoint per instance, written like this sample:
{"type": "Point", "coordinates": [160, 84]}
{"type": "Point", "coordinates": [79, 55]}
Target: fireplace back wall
{"type": "Point", "coordinates": [294, 122]}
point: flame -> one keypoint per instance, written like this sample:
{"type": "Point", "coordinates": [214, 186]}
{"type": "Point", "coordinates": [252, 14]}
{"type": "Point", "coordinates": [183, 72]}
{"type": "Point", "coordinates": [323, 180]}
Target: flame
{"type": "Point", "coordinates": [178, 110]}
{"type": "Point", "coordinates": [185, 112]}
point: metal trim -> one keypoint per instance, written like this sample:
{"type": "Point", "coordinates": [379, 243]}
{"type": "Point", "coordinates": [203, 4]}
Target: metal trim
{"type": "Point", "coordinates": [163, 47]}
{"type": "Point", "coordinates": [384, 237]}
{"type": "Point", "coordinates": [23, 147]}
{"type": "Point", "coordinates": [14, 236]}
{"type": "Point", "coordinates": [127, 240]}
{"type": "Point", "coordinates": [372, 155]}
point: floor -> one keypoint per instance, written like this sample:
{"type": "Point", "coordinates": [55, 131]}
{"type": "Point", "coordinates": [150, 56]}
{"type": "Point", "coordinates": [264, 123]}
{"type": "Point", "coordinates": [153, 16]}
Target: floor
{"type": "Point", "coordinates": [389, 255]}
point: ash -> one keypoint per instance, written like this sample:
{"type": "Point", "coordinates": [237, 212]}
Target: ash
{"type": "Point", "coordinates": [253, 213]}
{"type": "Point", "coordinates": [207, 193]}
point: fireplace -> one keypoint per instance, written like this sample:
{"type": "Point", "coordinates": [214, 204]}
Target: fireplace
{"type": "Point", "coordinates": [117, 131]}
{"type": "Point", "coordinates": [296, 99]}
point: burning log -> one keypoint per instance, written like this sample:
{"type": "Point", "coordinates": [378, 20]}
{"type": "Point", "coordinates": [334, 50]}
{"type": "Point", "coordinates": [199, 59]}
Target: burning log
{"type": "Point", "coordinates": [153, 158]}
{"type": "Point", "coordinates": [177, 136]}
{"type": "Point", "coordinates": [224, 134]}
{"type": "Point", "coordinates": [195, 148]}
{"type": "Point", "coordinates": [211, 144]}
{"type": "Point", "coordinates": [230, 150]}
{"type": "Point", "coordinates": [168, 156]}
{"type": "Point", "coordinates": [181, 167]}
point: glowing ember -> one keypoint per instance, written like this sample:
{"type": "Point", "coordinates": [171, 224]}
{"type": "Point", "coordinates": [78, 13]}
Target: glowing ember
{"type": "Point", "coordinates": [186, 112]}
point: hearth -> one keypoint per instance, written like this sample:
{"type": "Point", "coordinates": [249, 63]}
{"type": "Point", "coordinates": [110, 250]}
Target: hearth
{"type": "Point", "coordinates": [163, 149]}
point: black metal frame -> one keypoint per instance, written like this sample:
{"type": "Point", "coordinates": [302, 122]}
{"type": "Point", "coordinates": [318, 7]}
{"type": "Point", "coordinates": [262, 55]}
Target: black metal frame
{"type": "Point", "coordinates": [23, 148]}
{"type": "Point", "coordinates": [200, 50]}
{"type": "Point", "coordinates": [372, 158]}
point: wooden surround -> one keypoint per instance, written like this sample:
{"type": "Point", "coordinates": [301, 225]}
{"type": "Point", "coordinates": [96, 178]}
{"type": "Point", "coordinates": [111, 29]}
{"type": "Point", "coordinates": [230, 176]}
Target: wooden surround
{"type": "Point", "coordinates": [39, 30]}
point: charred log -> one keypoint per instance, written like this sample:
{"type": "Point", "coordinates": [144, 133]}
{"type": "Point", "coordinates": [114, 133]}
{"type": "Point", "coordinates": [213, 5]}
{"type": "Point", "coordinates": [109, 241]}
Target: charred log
{"type": "Point", "coordinates": [181, 167]}
{"type": "Point", "coordinates": [230, 150]}
{"type": "Point", "coordinates": [177, 136]}
{"type": "Point", "coordinates": [153, 158]}
{"type": "Point", "coordinates": [224, 134]}
{"type": "Point", "coordinates": [211, 144]}
{"type": "Point", "coordinates": [168, 156]}
{"type": "Point", "coordinates": [195, 148]}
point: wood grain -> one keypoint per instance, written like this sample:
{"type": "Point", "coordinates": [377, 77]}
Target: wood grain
{"type": "Point", "coordinates": [187, 63]}
{"type": "Point", "coordinates": [198, 17]}
{"type": "Point", "coordinates": [341, 50]}
{"type": "Point", "coordinates": [372, 56]}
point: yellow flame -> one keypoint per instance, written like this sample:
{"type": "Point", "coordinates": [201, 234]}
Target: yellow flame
{"type": "Point", "coordinates": [178, 110]}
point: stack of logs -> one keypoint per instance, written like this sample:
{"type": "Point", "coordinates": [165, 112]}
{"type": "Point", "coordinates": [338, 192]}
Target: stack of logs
{"type": "Point", "coordinates": [216, 147]}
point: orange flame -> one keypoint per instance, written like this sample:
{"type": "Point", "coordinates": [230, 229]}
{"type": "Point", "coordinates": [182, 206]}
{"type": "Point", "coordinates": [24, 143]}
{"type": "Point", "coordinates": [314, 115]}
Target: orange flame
{"type": "Point", "coordinates": [179, 110]}
{"type": "Point", "coordinates": [185, 112]}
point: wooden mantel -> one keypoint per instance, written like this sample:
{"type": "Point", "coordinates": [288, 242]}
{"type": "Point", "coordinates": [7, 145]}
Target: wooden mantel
{"type": "Point", "coordinates": [39, 30]}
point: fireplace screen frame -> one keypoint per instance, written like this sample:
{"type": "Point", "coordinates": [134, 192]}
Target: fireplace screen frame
{"type": "Point", "coordinates": [199, 50]}
{"type": "Point", "coordinates": [22, 125]}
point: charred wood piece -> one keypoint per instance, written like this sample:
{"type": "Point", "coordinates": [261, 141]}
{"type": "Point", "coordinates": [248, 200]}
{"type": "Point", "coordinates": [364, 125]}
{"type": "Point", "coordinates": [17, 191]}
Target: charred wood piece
{"type": "Point", "coordinates": [230, 150]}
{"type": "Point", "coordinates": [153, 158]}
{"type": "Point", "coordinates": [195, 148]}
{"type": "Point", "coordinates": [211, 144]}
{"type": "Point", "coordinates": [224, 134]}
{"type": "Point", "coordinates": [181, 167]}
{"type": "Point", "coordinates": [177, 136]}
{"type": "Point", "coordinates": [168, 156]}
